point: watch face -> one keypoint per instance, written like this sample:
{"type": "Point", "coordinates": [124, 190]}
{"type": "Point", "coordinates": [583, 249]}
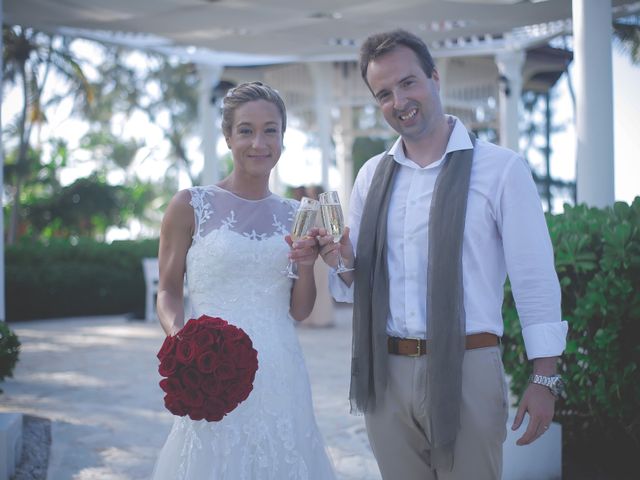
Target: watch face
{"type": "Point", "coordinates": [558, 386]}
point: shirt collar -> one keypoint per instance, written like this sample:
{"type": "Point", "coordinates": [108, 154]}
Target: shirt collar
{"type": "Point", "coordinates": [458, 140]}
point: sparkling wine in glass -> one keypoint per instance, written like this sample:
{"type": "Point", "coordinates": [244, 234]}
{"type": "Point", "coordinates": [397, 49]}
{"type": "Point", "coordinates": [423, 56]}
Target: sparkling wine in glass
{"type": "Point", "coordinates": [304, 221]}
{"type": "Point", "coordinates": [333, 221]}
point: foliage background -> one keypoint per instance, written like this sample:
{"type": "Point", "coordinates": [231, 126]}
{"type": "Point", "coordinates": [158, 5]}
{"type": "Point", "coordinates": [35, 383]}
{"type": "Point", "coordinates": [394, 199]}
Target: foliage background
{"type": "Point", "coordinates": [63, 279]}
{"type": "Point", "coordinates": [598, 262]}
{"type": "Point", "coordinates": [9, 351]}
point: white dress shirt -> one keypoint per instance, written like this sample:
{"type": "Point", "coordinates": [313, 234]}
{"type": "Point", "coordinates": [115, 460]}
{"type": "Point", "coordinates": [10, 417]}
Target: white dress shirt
{"type": "Point", "coordinates": [505, 233]}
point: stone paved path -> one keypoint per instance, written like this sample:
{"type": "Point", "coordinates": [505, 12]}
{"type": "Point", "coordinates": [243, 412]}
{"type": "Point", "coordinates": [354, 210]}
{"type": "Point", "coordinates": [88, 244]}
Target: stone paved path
{"type": "Point", "coordinates": [96, 379]}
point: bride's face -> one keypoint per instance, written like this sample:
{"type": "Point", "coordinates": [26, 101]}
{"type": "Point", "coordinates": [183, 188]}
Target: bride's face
{"type": "Point", "coordinates": [256, 138]}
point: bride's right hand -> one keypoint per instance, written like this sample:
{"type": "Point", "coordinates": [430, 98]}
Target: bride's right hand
{"type": "Point", "coordinates": [304, 251]}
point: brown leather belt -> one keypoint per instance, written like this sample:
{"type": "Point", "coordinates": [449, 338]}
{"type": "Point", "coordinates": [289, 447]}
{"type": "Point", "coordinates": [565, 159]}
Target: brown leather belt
{"type": "Point", "coordinates": [414, 347]}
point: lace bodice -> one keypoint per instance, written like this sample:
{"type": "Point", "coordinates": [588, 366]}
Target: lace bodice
{"type": "Point", "coordinates": [215, 208]}
{"type": "Point", "coordinates": [238, 253]}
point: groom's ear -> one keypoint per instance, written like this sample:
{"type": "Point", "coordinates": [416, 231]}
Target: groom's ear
{"type": "Point", "coordinates": [226, 139]}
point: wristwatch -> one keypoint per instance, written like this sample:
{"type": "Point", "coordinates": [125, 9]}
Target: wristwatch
{"type": "Point", "coordinates": [553, 383]}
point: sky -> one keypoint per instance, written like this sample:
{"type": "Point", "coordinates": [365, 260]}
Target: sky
{"type": "Point", "coordinates": [626, 108]}
{"type": "Point", "coordinates": [626, 112]}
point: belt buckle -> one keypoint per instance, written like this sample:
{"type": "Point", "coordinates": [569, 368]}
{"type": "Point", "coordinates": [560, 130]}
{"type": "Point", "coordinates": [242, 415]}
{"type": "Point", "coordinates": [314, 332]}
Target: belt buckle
{"type": "Point", "coordinates": [418, 351]}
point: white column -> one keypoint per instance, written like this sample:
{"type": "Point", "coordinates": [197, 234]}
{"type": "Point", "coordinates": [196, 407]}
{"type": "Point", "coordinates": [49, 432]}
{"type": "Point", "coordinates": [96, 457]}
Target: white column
{"type": "Point", "coordinates": [344, 154]}
{"type": "Point", "coordinates": [442, 64]}
{"type": "Point", "coordinates": [323, 86]}
{"type": "Point", "coordinates": [209, 121]}
{"type": "Point", "coordinates": [2, 305]}
{"type": "Point", "coordinates": [510, 64]}
{"type": "Point", "coordinates": [594, 101]}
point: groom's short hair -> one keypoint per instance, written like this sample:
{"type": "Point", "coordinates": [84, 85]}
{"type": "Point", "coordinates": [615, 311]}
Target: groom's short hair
{"type": "Point", "coordinates": [380, 44]}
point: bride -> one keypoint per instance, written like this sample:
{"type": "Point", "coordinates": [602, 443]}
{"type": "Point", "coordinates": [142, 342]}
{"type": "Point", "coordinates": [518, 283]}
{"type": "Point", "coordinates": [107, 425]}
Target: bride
{"type": "Point", "coordinates": [228, 238]}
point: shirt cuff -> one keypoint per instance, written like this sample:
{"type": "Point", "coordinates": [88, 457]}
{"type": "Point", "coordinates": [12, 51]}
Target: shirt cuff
{"type": "Point", "coordinates": [545, 339]}
{"type": "Point", "coordinates": [339, 289]}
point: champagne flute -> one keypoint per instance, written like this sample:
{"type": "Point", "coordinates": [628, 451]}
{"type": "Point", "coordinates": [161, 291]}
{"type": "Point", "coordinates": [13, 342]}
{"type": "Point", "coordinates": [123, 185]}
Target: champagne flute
{"type": "Point", "coordinates": [305, 220]}
{"type": "Point", "coordinates": [333, 221]}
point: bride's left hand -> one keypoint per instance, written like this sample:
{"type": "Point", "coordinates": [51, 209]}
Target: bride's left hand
{"type": "Point", "coordinates": [305, 250]}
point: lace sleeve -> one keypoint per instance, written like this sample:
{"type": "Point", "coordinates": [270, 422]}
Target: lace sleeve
{"type": "Point", "coordinates": [217, 209]}
{"type": "Point", "coordinates": [202, 210]}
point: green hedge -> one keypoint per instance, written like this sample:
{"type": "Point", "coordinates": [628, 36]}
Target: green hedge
{"type": "Point", "coordinates": [597, 256]}
{"type": "Point", "coordinates": [89, 278]}
{"type": "Point", "coordinates": [9, 351]}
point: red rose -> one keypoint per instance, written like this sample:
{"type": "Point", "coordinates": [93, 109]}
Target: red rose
{"type": "Point", "coordinates": [168, 346]}
{"type": "Point", "coordinates": [189, 330]}
{"type": "Point", "coordinates": [168, 365]}
{"type": "Point", "coordinates": [230, 405]}
{"type": "Point", "coordinates": [214, 415]}
{"type": "Point", "coordinates": [239, 392]}
{"type": "Point", "coordinates": [225, 370]}
{"type": "Point", "coordinates": [192, 397]}
{"type": "Point", "coordinates": [174, 404]}
{"type": "Point", "coordinates": [246, 375]}
{"type": "Point", "coordinates": [190, 377]}
{"type": "Point", "coordinates": [186, 351]}
{"type": "Point", "coordinates": [214, 410]}
{"type": "Point", "coordinates": [211, 387]}
{"type": "Point", "coordinates": [207, 361]}
{"type": "Point", "coordinates": [170, 385]}
{"type": "Point", "coordinates": [204, 338]}
{"type": "Point", "coordinates": [233, 334]}
{"type": "Point", "coordinates": [210, 368]}
{"type": "Point", "coordinates": [247, 359]}
{"type": "Point", "coordinates": [197, 413]}
{"type": "Point", "coordinates": [208, 321]}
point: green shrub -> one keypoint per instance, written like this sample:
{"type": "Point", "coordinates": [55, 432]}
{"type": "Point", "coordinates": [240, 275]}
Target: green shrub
{"type": "Point", "coordinates": [9, 350]}
{"type": "Point", "coordinates": [61, 279]}
{"type": "Point", "coordinates": [597, 256]}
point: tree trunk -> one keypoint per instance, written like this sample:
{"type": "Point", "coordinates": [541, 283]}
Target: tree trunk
{"type": "Point", "coordinates": [21, 161]}
{"type": "Point", "coordinates": [12, 234]}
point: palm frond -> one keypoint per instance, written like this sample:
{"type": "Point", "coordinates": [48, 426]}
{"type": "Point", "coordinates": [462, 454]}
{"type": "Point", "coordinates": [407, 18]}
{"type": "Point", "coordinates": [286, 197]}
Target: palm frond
{"type": "Point", "coordinates": [626, 34]}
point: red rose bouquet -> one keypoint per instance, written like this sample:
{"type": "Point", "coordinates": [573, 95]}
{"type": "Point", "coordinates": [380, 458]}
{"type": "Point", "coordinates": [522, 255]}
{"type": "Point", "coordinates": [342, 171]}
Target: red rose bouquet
{"type": "Point", "coordinates": [210, 366]}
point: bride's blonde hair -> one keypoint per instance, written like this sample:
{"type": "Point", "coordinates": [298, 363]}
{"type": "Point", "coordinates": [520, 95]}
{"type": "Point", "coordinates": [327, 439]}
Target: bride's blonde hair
{"type": "Point", "coordinates": [249, 92]}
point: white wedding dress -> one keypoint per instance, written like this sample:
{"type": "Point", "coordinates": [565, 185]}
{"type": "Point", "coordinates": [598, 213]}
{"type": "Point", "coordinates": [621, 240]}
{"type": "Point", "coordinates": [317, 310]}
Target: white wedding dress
{"type": "Point", "coordinates": [234, 271]}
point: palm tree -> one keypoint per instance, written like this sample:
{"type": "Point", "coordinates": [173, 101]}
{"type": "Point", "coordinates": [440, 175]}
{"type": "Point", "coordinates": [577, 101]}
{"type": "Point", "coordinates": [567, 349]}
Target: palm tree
{"type": "Point", "coordinates": [29, 58]}
{"type": "Point", "coordinates": [626, 34]}
{"type": "Point", "coordinates": [178, 100]}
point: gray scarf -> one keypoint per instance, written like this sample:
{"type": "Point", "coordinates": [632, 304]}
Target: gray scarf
{"type": "Point", "coordinates": [445, 307]}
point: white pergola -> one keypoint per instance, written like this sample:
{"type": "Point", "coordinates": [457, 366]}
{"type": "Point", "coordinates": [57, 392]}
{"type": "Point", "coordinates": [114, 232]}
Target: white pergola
{"type": "Point", "coordinates": [307, 49]}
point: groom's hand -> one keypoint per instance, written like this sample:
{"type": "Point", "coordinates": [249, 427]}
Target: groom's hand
{"type": "Point", "coordinates": [329, 250]}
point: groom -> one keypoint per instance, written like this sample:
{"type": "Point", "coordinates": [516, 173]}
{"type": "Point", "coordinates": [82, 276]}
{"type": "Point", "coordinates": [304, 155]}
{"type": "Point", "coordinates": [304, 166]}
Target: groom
{"type": "Point", "coordinates": [437, 222]}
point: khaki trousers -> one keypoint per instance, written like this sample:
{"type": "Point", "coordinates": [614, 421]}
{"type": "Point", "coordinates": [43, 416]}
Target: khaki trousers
{"type": "Point", "coordinates": [398, 427]}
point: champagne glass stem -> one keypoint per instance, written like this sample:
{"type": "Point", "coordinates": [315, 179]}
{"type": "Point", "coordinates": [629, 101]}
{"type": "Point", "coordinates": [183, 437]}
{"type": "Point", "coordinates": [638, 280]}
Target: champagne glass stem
{"type": "Point", "coordinates": [342, 268]}
{"type": "Point", "coordinates": [290, 270]}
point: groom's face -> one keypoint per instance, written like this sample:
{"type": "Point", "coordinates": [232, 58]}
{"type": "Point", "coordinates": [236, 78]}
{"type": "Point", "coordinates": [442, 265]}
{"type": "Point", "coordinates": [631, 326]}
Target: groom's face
{"type": "Point", "coordinates": [256, 138]}
{"type": "Point", "coordinates": [408, 98]}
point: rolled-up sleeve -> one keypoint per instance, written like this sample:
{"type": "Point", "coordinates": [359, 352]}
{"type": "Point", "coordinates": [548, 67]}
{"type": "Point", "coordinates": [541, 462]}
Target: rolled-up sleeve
{"type": "Point", "coordinates": [338, 289]}
{"type": "Point", "coordinates": [530, 264]}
